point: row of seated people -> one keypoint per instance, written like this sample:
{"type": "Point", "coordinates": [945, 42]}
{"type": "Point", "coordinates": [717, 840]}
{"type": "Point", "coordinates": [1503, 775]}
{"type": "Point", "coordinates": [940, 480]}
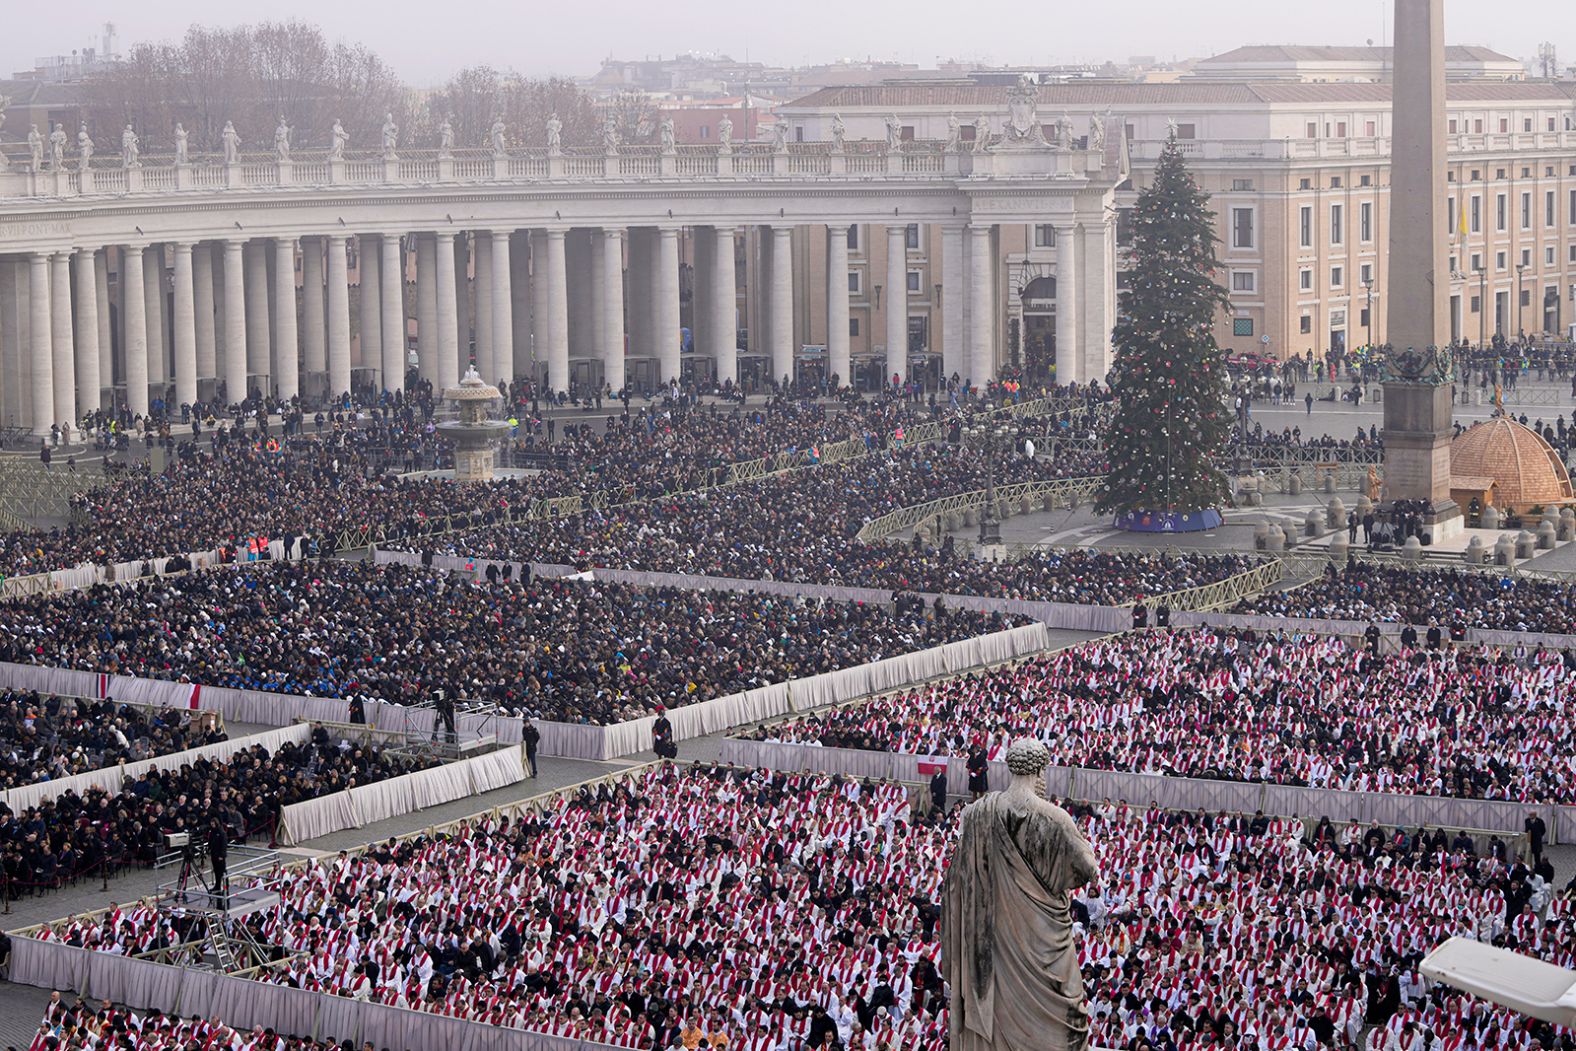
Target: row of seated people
{"type": "Point", "coordinates": [44, 737]}
{"type": "Point", "coordinates": [782, 912]}
{"type": "Point", "coordinates": [572, 651]}
{"type": "Point", "coordinates": [1282, 709]}
{"type": "Point", "coordinates": [1389, 594]}
{"type": "Point", "coordinates": [71, 1024]}
{"type": "Point", "coordinates": [85, 834]}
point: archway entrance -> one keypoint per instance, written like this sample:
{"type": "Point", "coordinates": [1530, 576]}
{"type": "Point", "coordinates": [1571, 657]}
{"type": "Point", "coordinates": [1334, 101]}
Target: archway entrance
{"type": "Point", "coordinates": [1039, 327]}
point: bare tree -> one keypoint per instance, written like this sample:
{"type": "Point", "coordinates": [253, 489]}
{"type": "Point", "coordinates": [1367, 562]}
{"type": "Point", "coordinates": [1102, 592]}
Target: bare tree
{"type": "Point", "coordinates": [635, 115]}
{"type": "Point", "coordinates": [251, 75]}
{"type": "Point", "coordinates": [477, 95]}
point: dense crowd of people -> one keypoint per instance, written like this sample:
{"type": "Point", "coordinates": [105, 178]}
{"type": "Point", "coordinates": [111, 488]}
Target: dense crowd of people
{"type": "Point", "coordinates": [1368, 591]}
{"type": "Point", "coordinates": [1295, 710]}
{"type": "Point", "coordinates": [572, 651]}
{"type": "Point", "coordinates": [242, 483]}
{"type": "Point", "coordinates": [46, 737]}
{"type": "Point", "coordinates": [740, 531]}
{"type": "Point", "coordinates": [782, 912]}
{"type": "Point", "coordinates": [83, 833]}
{"type": "Point", "coordinates": [86, 1025]}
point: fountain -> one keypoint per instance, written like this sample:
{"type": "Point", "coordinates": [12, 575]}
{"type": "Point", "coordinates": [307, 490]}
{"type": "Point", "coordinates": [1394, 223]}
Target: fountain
{"type": "Point", "coordinates": [474, 436]}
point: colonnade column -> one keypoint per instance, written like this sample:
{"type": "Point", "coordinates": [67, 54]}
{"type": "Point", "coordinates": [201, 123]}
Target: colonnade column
{"type": "Point", "coordinates": [1098, 292]}
{"type": "Point", "coordinates": [369, 312]}
{"type": "Point", "coordinates": [782, 303]}
{"type": "Point", "coordinates": [557, 312]}
{"type": "Point", "coordinates": [669, 343]}
{"type": "Point", "coordinates": [611, 280]}
{"type": "Point", "coordinates": [204, 335]}
{"type": "Point", "coordinates": [982, 350]}
{"type": "Point", "coordinates": [41, 346]}
{"type": "Point", "coordinates": [287, 353]}
{"type": "Point", "coordinates": [837, 352]}
{"type": "Point", "coordinates": [315, 328]}
{"type": "Point", "coordinates": [724, 327]}
{"type": "Point", "coordinates": [256, 264]}
{"type": "Point", "coordinates": [954, 355]}
{"type": "Point", "coordinates": [338, 315]}
{"type": "Point", "coordinates": [106, 338]}
{"type": "Point", "coordinates": [1069, 354]}
{"type": "Point", "coordinates": [502, 308]}
{"type": "Point", "coordinates": [427, 309]}
{"type": "Point", "coordinates": [896, 304]}
{"type": "Point", "coordinates": [87, 332]}
{"type": "Point", "coordinates": [135, 307]}
{"type": "Point", "coordinates": [392, 325]}
{"type": "Point", "coordinates": [541, 326]}
{"type": "Point", "coordinates": [61, 340]}
{"type": "Point", "coordinates": [520, 302]}
{"type": "Point", "coordinates": [153, 311]}
{"type": "Point", "coordinates": [481, 253]}
{"type": "Point", "coordinates": [448, 318]}
{"type": "Point", "coordinates": [461, 351]}
{"type": "Point", "coordinates": [234, 322]}
{"type": "Point", "coordinates": [185, 327]}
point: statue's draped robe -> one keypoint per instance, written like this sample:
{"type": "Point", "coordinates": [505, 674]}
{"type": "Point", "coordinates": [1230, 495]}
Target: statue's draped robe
{"type": "Point", "coordinates": [1007, 939]}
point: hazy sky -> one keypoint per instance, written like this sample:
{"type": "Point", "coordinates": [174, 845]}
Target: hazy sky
{"type": "Point", "coordinates": [427, 39]}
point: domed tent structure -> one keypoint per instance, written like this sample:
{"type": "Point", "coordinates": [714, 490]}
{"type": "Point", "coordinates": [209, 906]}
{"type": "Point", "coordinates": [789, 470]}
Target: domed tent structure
{"type": "Point", "coordinates": [1508, 466]}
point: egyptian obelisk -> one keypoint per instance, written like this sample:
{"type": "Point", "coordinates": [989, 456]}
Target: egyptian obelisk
{"type": "Point", "coordinates": [1418, 405]}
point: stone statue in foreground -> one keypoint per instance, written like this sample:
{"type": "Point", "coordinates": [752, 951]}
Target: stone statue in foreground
{"type": "Point", "coordinates": [1007, 933]}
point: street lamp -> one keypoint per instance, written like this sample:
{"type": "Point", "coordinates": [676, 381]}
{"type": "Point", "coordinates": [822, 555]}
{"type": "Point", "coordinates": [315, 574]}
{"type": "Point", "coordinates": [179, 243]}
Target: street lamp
{"type": "Point", "coordinates": [1482, 274]}
{"type": "Point", "coordinates": [985, 437]}
{"type": "Point", "coordinates": [1521, 270]}
{"type": "Point", "coordinates": [1368, 287]}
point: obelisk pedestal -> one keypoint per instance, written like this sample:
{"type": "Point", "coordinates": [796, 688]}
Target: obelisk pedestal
{"type": "Point", "coordinates": [1418, 396]}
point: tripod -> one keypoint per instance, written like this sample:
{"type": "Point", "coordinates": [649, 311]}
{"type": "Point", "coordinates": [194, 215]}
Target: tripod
{"type": "Point", "coordinates": [190, 868]}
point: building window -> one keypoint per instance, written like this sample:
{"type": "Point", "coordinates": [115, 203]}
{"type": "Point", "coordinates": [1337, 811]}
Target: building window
{"type": "Point", "coordinates": [1335, 180]}
{"type": "Point", "coordinates": [1499, 260]}
{"type": "Point", "coordinates": [1187, 131]}
{"type": "Point", "coordinates": [1305, 227]}
{"type": "Point", "coordinates": [1526, 297]}
{"type": "Point", "coordinates": [1570, 215]}
{"type": "Point", "coordinates": [1044, 236]}
{"type": "Point", "coordinates": [913, 280]}
{"type": "Point", "coordinates": [1548, 210]}
{"type": "Point", "coordinates": [1305, 325]}
{"type": "Point", "coordinates": [1244, 281]}
{"type": "Point", "coordinates": [911, 237]}
{"type": "Point", "coordinates": [1501, 213]}
{"type": "Point", "coordinates": [1477, 305]}
{"type": "Point", "coordinates": [1366, 180]}
{"type": "Point", "coordinates": [1365, 274]}
{"type": "Point", "coordinates": [1365, 221]}
{"type": "Point", "coordinates": [1573, 253]}
{"type": "Point", "coordinates": [798, 134]}
{"type": "Point", "coordinates": [1337, 276]}
{"type": "Point", "coordinates": [1526, 211]}
{"type": "Point", "coordinates": [1242, 228]}
{"type": "Point", "coordinates": [853, 282]}
{"type": "Point", "coordinates": [705, 131]}
{"type": "Point", "coordinates": [1477, 215]}
{"type": "Point", "coordinates": [1526, 124]}
{"type": "Point", "coordinates": [1305, 280]}
{"type": "Point", "coordinates": [1526, 257]}
{"type": "Point", "coordinates": [1305, 184]}
{"type": "Point", "coordinates": [853, 238]}
{"type": "Point", "coordinates": [1242, 326]}
{"type": "Point", "coordinates": [853, 327]}
{"type": "Point", "coordinates": [1504, 125]}
{"type": "Point", "coordinates": [1370, 130]}
{"type": "Point", "coordinates": [1241, 185]}
{"type": "Point", "coordinates": [1477, 262]}
{"type": "Point", "coordinates": [966, 133]}
{"type": "Point", "coordinates": [1337, 319]}
{"type": "Point", "coordinates": [1548, 256]}
{"type": "Point", "coordinates": [1311, 130]}
{"type": "Point", "coordinates": [1337, 224]}
{"type": "Point", "coordinates": [1452, 127]}
{"type": "Point", "coordinates": [907, 134]}
{"type": "Point", "coordinates": [1364, 317]}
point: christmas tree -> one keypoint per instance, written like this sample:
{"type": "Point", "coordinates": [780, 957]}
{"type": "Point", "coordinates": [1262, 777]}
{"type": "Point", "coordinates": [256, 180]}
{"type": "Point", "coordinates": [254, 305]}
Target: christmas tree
{"type": "Point", "coordinates": [1169, 377]}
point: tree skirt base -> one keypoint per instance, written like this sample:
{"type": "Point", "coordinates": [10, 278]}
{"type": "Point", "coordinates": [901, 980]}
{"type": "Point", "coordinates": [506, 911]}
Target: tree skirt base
{"type": "Point", "coordinates": [1169, 521]}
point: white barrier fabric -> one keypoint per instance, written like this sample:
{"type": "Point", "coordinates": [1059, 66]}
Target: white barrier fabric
{"type": "Point", "coordinates": [1178, 793]}
{"type": "Point", "coordinates": [242, 1004]}
{"type": "Point", "coordinates": [111, 778]}
{"type": "Point", "coordinates": [358, 807]}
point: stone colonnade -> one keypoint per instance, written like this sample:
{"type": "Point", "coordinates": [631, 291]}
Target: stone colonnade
{"type": "Point", "coordinates": [194, 320]}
